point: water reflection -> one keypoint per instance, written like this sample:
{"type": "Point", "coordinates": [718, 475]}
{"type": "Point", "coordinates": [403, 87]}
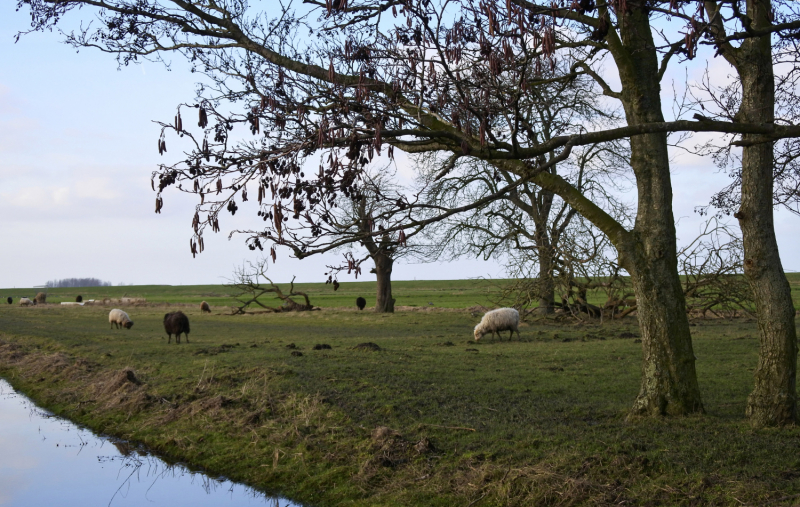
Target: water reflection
{"type": "Point", "coordinates": [48, 461]}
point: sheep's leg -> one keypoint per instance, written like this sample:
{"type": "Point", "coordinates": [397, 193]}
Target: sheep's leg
{"type": "Point", "coordinates": [170, 338]}
{"type": "Point", "coordinates": [187, 337]}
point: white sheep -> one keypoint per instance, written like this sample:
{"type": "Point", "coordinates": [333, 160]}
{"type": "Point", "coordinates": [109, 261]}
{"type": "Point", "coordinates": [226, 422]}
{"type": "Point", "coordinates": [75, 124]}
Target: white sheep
{"type": "Point", "coordinates": [502, 319]}
{"type": "Point", "coordinates": [25, 302]}
{"type": "Point", "coordinates": [119, 319]}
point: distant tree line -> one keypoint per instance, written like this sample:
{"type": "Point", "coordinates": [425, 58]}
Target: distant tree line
{"type": "Point", "coordinates": [77, 282]}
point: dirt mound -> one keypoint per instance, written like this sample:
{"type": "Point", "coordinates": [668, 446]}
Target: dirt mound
{"type": "Point", "coordinates": [215, 403]}
{"type": "Point", "coordinates": [114, 381]}
{"type": "Point", "coordinates": [213, 351]}
{"type": "Point", "coordinates": [52, 363]}
{"type": "Point", "coordinates": [424, 446]}
{"type": "Point", "coordinates": [367, 346]}
{"type": "Point", "coordinates": [383, 433]}
{"type": "Point", "coordinates": [390, 450]}
{"type": "Point", "coordinates": [322, 346]}
{"type": "Point", "coordinates": [10, 352]}
{"type": "Point", "coordinates": [121, 389]}
{"type": "Point", "coordinates": [426, 309]}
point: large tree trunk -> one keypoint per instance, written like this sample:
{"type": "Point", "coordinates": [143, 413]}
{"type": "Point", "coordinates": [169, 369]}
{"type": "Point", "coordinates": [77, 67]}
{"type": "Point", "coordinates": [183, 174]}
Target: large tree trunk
{"type": "Point", "coordinates": [383, 270]}
{"type": "Point", "coordinates": [669, 382]}
{"type": "Point", "coordinates": [546, 286]}
{"type": "Point", "coordinates": [774, 399]}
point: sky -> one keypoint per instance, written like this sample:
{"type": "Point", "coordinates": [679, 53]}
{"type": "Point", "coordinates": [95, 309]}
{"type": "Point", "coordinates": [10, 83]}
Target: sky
{"type": "Point", "coordinates": [77, 148]}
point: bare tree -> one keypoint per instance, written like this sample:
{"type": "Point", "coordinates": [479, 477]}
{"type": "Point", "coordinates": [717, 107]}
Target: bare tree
{"type": "Point", "coordinates": [527, 223]}
{"type": "Point", "coordinates": [711, 267]}
{"type": "Point", "coordinates": [380, 207]}
{"type": "Point", "coordinates": [585, 262]}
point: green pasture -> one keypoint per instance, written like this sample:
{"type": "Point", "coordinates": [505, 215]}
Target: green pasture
{"type": "Point", "coordinates": [432, 418]}
{"type": "Point", "coordinates": [436, 293]}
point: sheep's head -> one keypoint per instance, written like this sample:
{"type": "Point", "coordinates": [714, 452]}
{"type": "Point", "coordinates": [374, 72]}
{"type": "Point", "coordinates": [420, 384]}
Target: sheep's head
{"type": "Point", "coordinates": [128, 324]}
{"type": "Point", "coordinates": [478, 334]}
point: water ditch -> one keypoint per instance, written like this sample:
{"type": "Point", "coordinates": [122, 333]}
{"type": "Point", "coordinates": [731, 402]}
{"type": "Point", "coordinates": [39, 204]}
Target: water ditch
{"type": "Point", "coordinates": [46, 461]}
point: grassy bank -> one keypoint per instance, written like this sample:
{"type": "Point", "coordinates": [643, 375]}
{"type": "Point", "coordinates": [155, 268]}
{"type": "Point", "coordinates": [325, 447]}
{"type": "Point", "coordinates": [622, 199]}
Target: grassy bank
{"type": "Point", "coordinates": [429, 419]}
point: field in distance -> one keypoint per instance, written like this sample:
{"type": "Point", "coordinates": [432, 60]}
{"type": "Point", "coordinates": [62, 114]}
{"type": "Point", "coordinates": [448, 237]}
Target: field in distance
{"type": "Point", "coordinates": [442, 293]}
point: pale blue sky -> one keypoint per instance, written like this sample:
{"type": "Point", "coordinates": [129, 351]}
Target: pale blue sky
{"type": "Point", "coordinates": [77, 146]}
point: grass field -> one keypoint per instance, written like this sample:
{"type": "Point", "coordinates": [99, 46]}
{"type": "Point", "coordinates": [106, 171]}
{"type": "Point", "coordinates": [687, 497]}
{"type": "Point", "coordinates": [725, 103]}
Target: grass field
{"type": "Point", "coordinates": [442, 293]}
{"type": "Point", "coordinates": [430, 419]}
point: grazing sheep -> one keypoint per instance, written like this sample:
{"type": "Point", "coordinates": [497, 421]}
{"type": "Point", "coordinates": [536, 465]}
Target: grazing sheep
{"type": "Point", "coordinates": [118, 319]}
{"type": "Point", "coordinates": [10, 300]}
{"type": "Point", "coordinates": [361, 303]}
{"type": "Point", "coordinates": [176, 323]}
{"type": "Point", "coordinates": [40, 299]}
{"type": "Point", "coordinates": [502, 319]}
{"type": "Point", "coordinates": [204, 307]}
{"type": "Point", "coordinates": [79, 299]}
{"type": "Point", "coordinates": [25, 302]}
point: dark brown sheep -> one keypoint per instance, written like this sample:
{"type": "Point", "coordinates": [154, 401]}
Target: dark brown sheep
{"type": "Point", "coordinates": [204, 307]}
{"type": "Point", "coordinates": [79, 299]}
{"type": "Point", "coordinates": [176, 323]}
{"type": "Point", "coordinates": [361, 303]}
{"type": "Point", "coordinates": [10, 300]}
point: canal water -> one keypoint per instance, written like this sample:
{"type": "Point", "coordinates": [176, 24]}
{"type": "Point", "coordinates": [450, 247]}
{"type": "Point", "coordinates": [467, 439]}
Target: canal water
{"type": "Point", "coordinates": [46, 461]}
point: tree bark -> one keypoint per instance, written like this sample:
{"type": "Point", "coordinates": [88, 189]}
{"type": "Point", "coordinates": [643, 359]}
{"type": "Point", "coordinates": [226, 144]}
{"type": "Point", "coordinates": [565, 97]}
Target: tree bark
{"type": "Point", "coordinates": [383, 270]}
{"type": "Point", "coordinates": [773, 401]}
{"type": "Point", "coordinates": [547, 287]}
{"type": "Point", "coordinates": [669, 381]}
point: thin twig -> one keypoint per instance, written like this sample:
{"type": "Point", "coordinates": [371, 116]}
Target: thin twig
{"type": "Point", "coordinates": [449, 427]}
{"type": "Point", "coordinates": [476, 501]}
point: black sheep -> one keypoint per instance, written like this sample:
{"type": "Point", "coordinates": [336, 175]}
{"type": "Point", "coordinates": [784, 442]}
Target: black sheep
{"type": "Point", "coordinates": [361, 303]}
{"type": "Point", "coordinates": [176, 323]}
{"type": "Point", "coordinates": [10, 300]}
{"type": "Point", "coordinates": [79, 299]}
